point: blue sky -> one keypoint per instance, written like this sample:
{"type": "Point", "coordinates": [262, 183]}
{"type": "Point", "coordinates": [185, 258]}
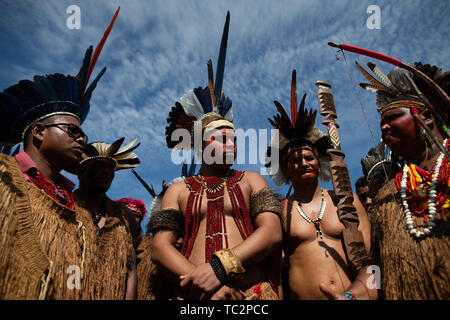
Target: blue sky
{"type": "Point", "coordinates": [158, 50]}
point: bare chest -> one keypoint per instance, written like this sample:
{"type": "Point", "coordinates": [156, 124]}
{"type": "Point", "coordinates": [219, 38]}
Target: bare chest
{"type": "Point", "coordinates": [305, 223]}
{"type": "Point", "coordinates": [231, 201]}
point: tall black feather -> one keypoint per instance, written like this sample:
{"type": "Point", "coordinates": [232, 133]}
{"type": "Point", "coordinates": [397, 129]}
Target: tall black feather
{"type": "Point", "coordinates": [221, 60]}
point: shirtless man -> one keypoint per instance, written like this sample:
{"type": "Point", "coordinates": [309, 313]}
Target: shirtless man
{"type": "Point", "coordinates": [253, 235]}
{"type": "Point", "coordinates": [312, 231]}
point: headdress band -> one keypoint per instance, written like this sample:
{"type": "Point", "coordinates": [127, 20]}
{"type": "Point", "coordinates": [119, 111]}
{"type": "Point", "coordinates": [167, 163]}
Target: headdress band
{"type": "Point", "coordinates": [218, 124]}
{"type": "Point", "coordinates": [402, 104]}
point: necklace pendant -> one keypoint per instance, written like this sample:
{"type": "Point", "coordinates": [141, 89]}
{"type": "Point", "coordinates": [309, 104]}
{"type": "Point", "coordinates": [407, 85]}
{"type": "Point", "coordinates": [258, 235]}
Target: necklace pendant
{"type": "Point", "coordinates": [318, 231]}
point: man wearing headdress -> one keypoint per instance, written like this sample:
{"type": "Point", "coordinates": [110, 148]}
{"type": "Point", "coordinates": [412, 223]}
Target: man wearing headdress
{"type": "Point", "coordinates": [231, 241]}
{"type": "Point", "coordinates": [411, 210]}
{"type": "Point", "coordinates": [45, 245]}
{"type": "Point", "coordinates": [312, 230]}
{"type": "Point", "coordinates": [137, 209]}
{"type": "Point", "coordinates": [116, 228]}
{"type": "Point", "coordinates": [46, 249]}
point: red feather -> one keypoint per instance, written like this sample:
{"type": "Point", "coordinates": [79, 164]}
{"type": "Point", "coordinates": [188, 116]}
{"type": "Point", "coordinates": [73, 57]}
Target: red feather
{"type": "Point", "coordinates": [99, 48]}
{"type": "Point", "coordinates": [294, 98]}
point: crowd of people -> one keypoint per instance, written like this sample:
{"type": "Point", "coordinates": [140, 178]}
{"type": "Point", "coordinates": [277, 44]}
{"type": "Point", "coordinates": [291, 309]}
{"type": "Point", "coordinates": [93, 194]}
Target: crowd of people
{"type": "Point", "coordinates": [222, 233]}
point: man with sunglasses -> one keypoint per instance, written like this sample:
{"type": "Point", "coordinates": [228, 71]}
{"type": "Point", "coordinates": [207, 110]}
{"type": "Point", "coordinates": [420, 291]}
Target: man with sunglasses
{"type": "Point", "coordinates": [51, 145]}
{"type": "Point", "coordinates": [47, 246]}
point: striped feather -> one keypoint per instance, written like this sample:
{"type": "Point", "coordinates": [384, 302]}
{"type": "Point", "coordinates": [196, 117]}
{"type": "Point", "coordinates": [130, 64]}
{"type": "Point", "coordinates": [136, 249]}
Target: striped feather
{"type": "Point", "coordinates": [380, 74]}
{"type": "Point", "coordinates": [371, 87]}
{"type": "Point", "coordinates": [372, 79]}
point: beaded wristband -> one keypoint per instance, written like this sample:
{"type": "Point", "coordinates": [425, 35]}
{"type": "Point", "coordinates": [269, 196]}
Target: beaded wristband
{"type": "Point", "coordinates": [350, 296]}
{"type": "Point", "coordinates": [218, 268]}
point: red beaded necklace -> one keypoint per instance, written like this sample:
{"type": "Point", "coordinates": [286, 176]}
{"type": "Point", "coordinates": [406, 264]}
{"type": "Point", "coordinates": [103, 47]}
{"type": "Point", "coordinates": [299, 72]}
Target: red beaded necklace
{"type": "Point", "coordinates": [216, 230]}
{"type": "Point", "coordinates": [40, 181]}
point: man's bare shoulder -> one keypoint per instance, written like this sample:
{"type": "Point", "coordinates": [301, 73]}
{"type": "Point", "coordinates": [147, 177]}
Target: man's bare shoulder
{"type": "Point", "coordinates": [256, 181]}
{"type": "Point", "coordinates": [178, 186]}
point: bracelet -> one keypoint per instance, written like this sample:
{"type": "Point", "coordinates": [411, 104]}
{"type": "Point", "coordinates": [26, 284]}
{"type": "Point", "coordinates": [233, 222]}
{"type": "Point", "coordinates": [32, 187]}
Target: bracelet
{"type": "Point", "coordinates": [231, 264]}
{"type": "Point", "coordinates": [350, 296]}
{"type": "Point", "coordinates": [218, 268]}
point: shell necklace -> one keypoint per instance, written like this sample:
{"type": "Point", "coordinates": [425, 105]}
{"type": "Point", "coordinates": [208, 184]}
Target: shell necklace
{"type": "Point", "coordinates": [431, 205]}
{"type": "Point", "coordinates": [316, 222]}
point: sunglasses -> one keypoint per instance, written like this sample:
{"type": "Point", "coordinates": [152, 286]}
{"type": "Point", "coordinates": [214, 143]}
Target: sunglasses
{"type": "Point", "coordinates": [72, 130]}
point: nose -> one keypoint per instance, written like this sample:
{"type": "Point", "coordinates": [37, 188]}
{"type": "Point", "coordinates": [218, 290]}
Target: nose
{"type": "Point", "coordinates": [384, 126]}
{"type": "Point", "coordinates": [81, 140]}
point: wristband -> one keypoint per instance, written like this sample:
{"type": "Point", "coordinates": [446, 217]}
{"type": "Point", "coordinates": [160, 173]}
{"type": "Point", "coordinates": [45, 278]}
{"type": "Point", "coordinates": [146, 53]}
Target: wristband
{"type": "Point", "coordinates": [230, 263]}
{"type": "Point", "coordinates": [218, 268]}
{"type": "Point", "coordinates": [350, 296]}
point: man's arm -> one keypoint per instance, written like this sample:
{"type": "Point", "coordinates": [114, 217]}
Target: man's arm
{"type": "Point", "coordinates": [267, 235]}
{"type": "Point", "coordinates": [252, 250]}
{"type": "Point", "coordinates": [164, 252]}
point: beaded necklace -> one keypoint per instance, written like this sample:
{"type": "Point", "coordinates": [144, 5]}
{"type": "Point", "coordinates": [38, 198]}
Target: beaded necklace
{"type": "Point", "coordinates": [40, 181]}
{"type": "Point", "coordinates": [316, 222]}
{"type": "Point", "coordinates": [424, 190]}
{"type": "Point", "coordinates": [216, 231]}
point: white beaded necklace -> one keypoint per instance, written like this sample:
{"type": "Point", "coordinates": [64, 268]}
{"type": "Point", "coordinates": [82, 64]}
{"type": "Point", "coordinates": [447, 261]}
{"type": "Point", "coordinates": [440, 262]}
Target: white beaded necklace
{"type": "Point", "coordinates": [316, 222]}
{"type": "Point", "coordinates": [431, 205]}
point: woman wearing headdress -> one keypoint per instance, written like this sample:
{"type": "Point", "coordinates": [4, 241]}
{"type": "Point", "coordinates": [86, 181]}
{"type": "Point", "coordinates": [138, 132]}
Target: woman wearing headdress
{"type": "Point", "coordinates": [411, 210]}
{"type": "Point", "coordinates": [45, 244]}
{"type": "Point", "coordinates": [318, 267]}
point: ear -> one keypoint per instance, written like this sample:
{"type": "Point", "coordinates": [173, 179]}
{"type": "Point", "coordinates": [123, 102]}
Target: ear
{"type": "Point", "coordinates": [37, 131]}
{"type": "Point", "coordinates": [428, 118]}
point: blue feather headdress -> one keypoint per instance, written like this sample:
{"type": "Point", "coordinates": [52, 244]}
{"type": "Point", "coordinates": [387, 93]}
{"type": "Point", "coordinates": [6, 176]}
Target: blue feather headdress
{"type": "Point", "coordinates": [28, 102]}
{"type": "Point", "coordinates": [204, 103]}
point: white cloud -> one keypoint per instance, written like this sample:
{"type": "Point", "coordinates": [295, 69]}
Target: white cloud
{"type": "Point", "coordinates": [159, 49]}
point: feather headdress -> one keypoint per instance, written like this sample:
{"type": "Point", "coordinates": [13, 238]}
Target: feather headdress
{"type": "Point", "coordinates": [136, 205]}
{"type": "Point", "coordinates": [123, 157]}
{"type": "Point", "coordinates": [379, 156]}
{"type": "Point", "coordinates": [208, 105]}
{"type": "Point", "coordinates": [397, 85]}
{"type": "Point", "coordinates": [296, 131]}
{"type": "Point", "coordinates": [28, 101]}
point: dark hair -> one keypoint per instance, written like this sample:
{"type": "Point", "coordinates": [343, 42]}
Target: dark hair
{"type": "Point", "coordinates": [361, 182]}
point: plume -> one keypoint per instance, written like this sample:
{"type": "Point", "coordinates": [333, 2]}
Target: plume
{"type": "Point", "coordinates": [380, 74]}
{"type": "Point", "coordinates": [294, 97]}
{"type": "Point", "coordinates": [374, 81]}
{"type": "Point", "coordinates": [99, 48]}
{"type": "Point", "coordinates": [211, 82]}
{"type": "Point", "coordinates": [222, 55]}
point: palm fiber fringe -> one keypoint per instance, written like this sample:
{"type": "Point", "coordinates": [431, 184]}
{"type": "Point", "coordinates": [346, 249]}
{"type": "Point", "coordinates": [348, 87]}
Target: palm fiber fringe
{"type": "Point", "coordinates": [410, 268]}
